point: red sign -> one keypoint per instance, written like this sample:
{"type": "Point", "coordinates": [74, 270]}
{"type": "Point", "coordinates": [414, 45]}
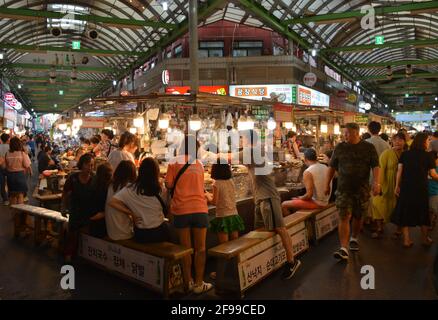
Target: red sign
{"type": "Point", "coordinates": [8, 96]}
{"type": "Point", "coordinates": [219, 90]}
{"type": "Point", "coordinates": [342, 94]}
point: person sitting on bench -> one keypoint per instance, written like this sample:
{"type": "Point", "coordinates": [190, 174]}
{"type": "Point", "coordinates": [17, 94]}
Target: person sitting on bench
{"type": "Point", "coordinates": [143, 201]}
{"type": "Point", "coordinates": [315, 181]}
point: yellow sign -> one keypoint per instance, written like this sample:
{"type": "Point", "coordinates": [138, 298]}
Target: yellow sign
{"type": "Point", "coordinates": [352, 98]}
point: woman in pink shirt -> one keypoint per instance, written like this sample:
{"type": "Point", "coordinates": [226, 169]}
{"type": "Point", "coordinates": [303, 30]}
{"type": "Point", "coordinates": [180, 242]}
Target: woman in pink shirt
{"type": "Point", "coordinates": [189, 209]}
{"type": "Point", "coordinates": [17, 166]}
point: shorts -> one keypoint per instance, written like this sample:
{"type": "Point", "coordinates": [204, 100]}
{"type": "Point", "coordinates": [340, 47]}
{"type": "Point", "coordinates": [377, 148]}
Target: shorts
{"type": "Point", "coordinates": [192, 220]}
{"type": "Point", "coordinates": [433, 204]}
{"type": "Point", "coordinates": [356, 204]}
{"type": "Point", "coordinates": [268, 214]}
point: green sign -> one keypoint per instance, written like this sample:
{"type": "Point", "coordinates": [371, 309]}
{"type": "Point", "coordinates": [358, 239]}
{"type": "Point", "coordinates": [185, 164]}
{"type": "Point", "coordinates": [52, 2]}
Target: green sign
{"type": "Point", "coordinates": [75, 45]}
{"type": "Point", "coordinates": [294, 94]}
{"type": "Point", "coordinates": [361, 119]}
{"type": "Point", "coordinates": [260, 113]}
{"type": "Point", "coordinates": [380, 39]}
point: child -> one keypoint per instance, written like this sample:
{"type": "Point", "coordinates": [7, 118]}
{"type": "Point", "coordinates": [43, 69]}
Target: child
{"type": "Point", "coordinates": [227, 222]}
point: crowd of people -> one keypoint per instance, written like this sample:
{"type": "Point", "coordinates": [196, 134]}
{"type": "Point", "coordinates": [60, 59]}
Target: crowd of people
{"type": "Point", "coordinates": [372, 181]}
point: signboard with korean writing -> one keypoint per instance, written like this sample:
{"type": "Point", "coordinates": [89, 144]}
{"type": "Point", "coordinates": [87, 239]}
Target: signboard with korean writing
{"type": "Point", "coordinates": [96, 123]}
{"type": "Point", "coordinates": [270, 259]}
{"type": "Point", "coordinates": [138, 265]}
{"type": "Point", "coordinates": [309, 97]}
{"type": "Point", "coordinates": [269, 92]}
{"type": "Point", "coordinates": [219, 90]}
{"type": "Point", "coordinates": [327, 223]}
{"type": "Point", "coordinates": [283, 113]}
{"type": "Point", "coordinates": [260, 113]}
{"type": "Point", "coordinates": [361, 119]}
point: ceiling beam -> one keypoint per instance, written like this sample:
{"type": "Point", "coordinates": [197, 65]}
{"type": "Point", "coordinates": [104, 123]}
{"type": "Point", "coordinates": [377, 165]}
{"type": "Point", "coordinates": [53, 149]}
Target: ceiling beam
{"type": "Point", "coordinates": [29, 14]}
{"type": "Point", "coordinates": [46, 49]}
{"type": "Point", "coordinates": [339, 17]}
{"type": "Point", "coordinates": [204, 11]}
{"type": "Point", "coordinates": [397, 63]}
{"type": "Point", "coordinates": [79, 68]}
{"type": "Point", "coordinates": [398, 44]}
{"type": "Point", "coordinates": [423, 75]}
{"type": "Point", "coordinates": [58, 79]}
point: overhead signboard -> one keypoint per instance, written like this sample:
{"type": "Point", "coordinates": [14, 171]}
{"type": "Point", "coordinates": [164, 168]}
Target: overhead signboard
{"type": "Point", "coordinates": [310, 79]}
{"type": "Point", "coordinates": [272, 92]}
{"type": "Point", "coordinates": [219, 90]}
{"type": "Point", "coordinates": [309, 97]}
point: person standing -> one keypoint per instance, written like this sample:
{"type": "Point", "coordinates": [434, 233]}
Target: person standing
{"type": "Point", "coordinates": [383, 205]}
{"type": "Point", "coordinates": [381, 145]}
{"type": "Point", "coordinates": [17, 166]}
{"type": "Point", "coordinates": [352, 160]}
{"type": "Point", "coordinates": [268, 214]}
{"type": "Point", "coordinates": [434, 142]}
{"type": "Point", "coordinates": [314, 181]}
{"type": "Point", "coordinates": [105, 145]}
{"type": "Point", "coordinates": [127, 146]}
{"type": "Point", "coordinates": [185, 180]}
{"type": "Point", "coordinates": [412, 207]}
{"type": "Point", "coordinates": [4, 148]}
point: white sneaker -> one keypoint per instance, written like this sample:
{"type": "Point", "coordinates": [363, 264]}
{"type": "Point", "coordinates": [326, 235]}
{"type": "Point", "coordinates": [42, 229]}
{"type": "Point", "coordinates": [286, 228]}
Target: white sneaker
{"type": "Point", "coordinates": [204, 287]}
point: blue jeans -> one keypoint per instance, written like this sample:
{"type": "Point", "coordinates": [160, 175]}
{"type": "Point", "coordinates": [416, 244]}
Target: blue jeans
{"type": "Point", "coordinates": [3, 192]}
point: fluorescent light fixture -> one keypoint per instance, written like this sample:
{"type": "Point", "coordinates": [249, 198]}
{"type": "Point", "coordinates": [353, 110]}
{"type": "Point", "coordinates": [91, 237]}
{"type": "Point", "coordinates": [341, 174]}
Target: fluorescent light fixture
{"type": "Point", "coordinates": [139, 122]}
{"type": "Point", "coordinates": [55, 105]}
{"type": "Point", "coordinates": [165, 5]}
{"type": "Point", "coordinates": [374, 95]}
{"type": "Point", "coordinates": [114, 83]}
{"type": "Point", "coordinates": [163, 121]}
{"type": "Point", "coordinates": [313, 52]}
{"type": "Point", "coordinates": [386, 106]}
{"type": "Point", "coordinates": [133, 130]}
{"type": "Point", "coordinates": [1, 56]}
{"type": "Point", "coordinates": [61, 92]}
{"type": "Point", "coordinates": [323, 127]}
{"type": "Point", "coordinates": [288, 125]}
{"type": "Point", "coordinates": [357, 83]}
{"type": "Point", "coordinates": [20, 86]}
{"type": "Point", "coordinates": [62, 126]}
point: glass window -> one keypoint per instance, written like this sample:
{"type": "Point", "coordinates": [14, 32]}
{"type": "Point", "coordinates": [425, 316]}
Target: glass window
{"type": "Point", "coordinates": [240, 53]}
{"type": "Point", "coordinates": [211, 44]}
{"type": "Point", "coordinates": [203, 53]}
{"type": "Point", "coordinates": [178, 51]}
{"type": "Point", "coordinates": [254, 52]}
{"type": "Point", "coordinates": [249, 44]}
{"type": "Point", "coordinates": [216, 53]}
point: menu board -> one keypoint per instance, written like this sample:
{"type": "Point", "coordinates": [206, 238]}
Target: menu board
{"type": "Point", "coordinates": [361, 119]}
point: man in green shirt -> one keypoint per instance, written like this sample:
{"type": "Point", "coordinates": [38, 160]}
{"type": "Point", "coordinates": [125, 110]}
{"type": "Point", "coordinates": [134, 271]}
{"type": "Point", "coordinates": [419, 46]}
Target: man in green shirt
{"type": "Point", "coordinates": [352, 159]}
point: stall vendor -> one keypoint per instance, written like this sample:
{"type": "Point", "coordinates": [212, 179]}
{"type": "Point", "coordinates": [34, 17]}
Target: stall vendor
{"type": "Point", "coordinates": [291, 145]}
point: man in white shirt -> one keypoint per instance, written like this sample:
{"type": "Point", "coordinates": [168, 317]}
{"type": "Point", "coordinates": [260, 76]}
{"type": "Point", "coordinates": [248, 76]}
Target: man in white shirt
{"type": "Point", "coordinates": [315, 181]}
{"type": "Point", "coordinates": [381, 145]}
{"type": "Point", "coordinates": [4, 148]}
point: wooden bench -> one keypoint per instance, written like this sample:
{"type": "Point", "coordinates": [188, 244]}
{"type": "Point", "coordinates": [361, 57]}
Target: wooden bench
{"type": "Point", "coordinates": [243, 262]}
{"type": "Point", "coordinates": [157, 266]}
{"type": "Point", "coordinates": [322, 221]}
{"type": "Point", "coordinates": [40, 215]}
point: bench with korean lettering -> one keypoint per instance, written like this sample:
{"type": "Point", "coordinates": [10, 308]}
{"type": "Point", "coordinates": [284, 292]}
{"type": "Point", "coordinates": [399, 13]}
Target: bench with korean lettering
{"type": "Point", "coordinates": [40, 215]}
{"type": "Point", "coordinates": [157, 266]}
{"type": "Point", "coordinates": [243, 262]}
{"type": "Point", "coordinates": [322, 221]}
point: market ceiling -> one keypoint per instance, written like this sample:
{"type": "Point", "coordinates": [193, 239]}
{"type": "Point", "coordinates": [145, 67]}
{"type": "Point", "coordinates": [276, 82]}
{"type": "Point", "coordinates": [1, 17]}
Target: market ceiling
{"type": "Point", "coordinates": [132, 31]}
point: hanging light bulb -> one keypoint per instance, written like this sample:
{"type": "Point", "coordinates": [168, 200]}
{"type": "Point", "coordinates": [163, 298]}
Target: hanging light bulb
{"type": "Point", "coordinates": [249, 123]}
{"type": "Point", "coordinates": [323, 127]}
{"type": "Point", "coordinates": [133, 130]}
{"type": "Point", "coordinates": [163, 121]}
{"type": "Point", "coordinates": [62, 126]}
{"type": "Point", "coordinates": [195, 123]}
{"type": "Point", "coordinates": [337, 128]}
{"type": "Point", "coordinates": [272, 124]}
{"type": "Point", "coordinates": [74, 75]}
{"type": "Point", "coordinates": [288, 125]}
{"type": "Point", "coordinates": [138, 122]}
{"type": "Point", "coordinates": [77, 122]}
{"type": "Point", "coordinates": [241, 123]}
{"type": "Point", "coordinates": [52, 74]}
